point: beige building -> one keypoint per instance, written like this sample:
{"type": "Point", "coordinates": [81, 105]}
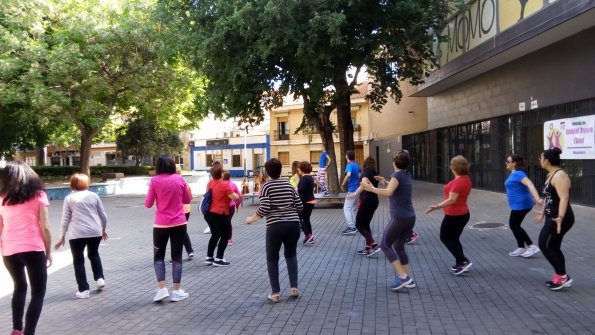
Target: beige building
{"type": "Point", "coordinates": [289, 146]}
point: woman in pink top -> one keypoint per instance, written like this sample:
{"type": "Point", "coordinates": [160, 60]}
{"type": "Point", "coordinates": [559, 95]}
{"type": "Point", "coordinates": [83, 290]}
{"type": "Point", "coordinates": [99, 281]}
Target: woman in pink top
{"type": "Point", "coordinates": [234, 205]}
{"type": "Point", "coordinates": [25, 241]}
{"type": "Point", "coordinates": [169, 192]}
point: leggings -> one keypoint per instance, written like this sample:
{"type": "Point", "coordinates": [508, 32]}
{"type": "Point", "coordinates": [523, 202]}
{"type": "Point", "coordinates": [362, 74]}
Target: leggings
{"type": "Point", "coordinates": [286, 234]}
{"type": "Point", "coordinates": [516, 218]}
{"type": "Point", "coordinates": [450, 232]}
{"type": "Point", "coordinates": [160, 237]}
{"type": "Point", "coordinates": [550, 242]}
{"type": "Point", "coordinates": [305, 218]}
{"type": "Point", "coordinates": [232, 211]}
{"type": "Point", "coordinates": [321, 180]}
{"type": "Point", "coordinates": [394, 238]}
{"type": "Point", "coordinates": [220, 232]}
{"type": "Point", "coordinates": [77, 248]}
{"type": "Point", "coordinates": [363, 218]}
{"type": "Point", "coordinates": [35, 263]}
{"type": "Point", "coordinates": [187, 243]}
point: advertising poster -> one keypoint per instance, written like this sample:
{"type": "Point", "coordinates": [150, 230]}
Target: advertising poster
{"type": "Point", "coordinates": [575, 136]}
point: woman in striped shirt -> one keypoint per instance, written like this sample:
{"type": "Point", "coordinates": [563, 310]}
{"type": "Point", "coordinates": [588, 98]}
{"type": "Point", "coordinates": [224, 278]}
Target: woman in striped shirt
{"type": "Point", "coordinates": [281, 205]}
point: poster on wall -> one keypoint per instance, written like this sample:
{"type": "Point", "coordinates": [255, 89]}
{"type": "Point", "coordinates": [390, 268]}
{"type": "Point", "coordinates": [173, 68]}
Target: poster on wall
{"type": "Point", "coordinates": [575, 136]}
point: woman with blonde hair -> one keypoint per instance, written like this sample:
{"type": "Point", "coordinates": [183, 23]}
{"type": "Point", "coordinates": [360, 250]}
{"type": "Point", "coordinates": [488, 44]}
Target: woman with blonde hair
{"type": "Point", "coordinates": [456, 212]}
{"type": "Point", "coordinates": [295, 174]}
{"type": "Point", "coordinates": [84, 215]}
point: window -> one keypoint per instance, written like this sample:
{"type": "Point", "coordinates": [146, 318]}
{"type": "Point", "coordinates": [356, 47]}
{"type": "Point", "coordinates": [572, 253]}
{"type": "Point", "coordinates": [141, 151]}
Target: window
{"type": "Point", "coordinates": [315, 157]}
{"type": "Point", "coordinates": [284, 157]}
{"type": "Point", "coordinates": [282, 130]}
{"type": "Point", "coordinates": [236, 160]}
{"type": "Point", "coordinates": [209, 159]}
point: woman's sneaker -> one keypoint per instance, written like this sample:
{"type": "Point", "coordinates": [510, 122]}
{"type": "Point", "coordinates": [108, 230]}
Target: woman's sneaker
{"type": "Point", "coordinates": [83, 295]}
{"type": "Point", "coordinates": [411, 285]}
{"type": "Point", "coordinates": [100, 284]}
{"type": "Point", "coordinates": [462, 268]}
{"type": "Point", "coordinates": [209, 260]}
{"type": "Point", "coordinates": [220, 262]}
{"type": "Point", "coordinates": [399, 283]}
{"type": "Point", "coordinates": [374, 250]}
{"type": "Point", "coordinates": [178, 295]}
{"type": "Point", "coordinates": [560, 282]}
{"type": "Point", "coordinates": [412, 238]}
{"type": "Point", "coordinates": [517, 252]}
{"type": "Point", "coordinates": [364, 252]}
{"type": "Point", "coordinates": [161, 294]}
{"type": "Point", "coordinates": [532, 250]}
{"type": "Point", "coordinates": [207, 230]}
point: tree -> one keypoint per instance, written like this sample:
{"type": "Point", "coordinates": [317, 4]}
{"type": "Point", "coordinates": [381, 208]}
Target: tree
{"type": "Point", "coordinates": [254, 53]}
{"type": "Point", "coordinates": [143, 137]}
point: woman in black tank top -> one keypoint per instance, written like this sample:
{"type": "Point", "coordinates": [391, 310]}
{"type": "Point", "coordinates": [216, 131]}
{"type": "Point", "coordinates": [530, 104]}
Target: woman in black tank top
{"type": "Point", "coordinates": [559, 217]}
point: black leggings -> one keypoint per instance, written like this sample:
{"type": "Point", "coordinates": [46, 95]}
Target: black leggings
{"type": "Point", "coordinates": [394, 238]}
{"type": "Point", "coordinates": [363, 218]}
{"type": "Point", "coordinates": [160, 237]}
{"type": "Point", "coordinates": [450, 232]}
{"type": "Point", "coordinates": [220, 231]}
{"type": "Point", "coordinates": [286, 234]}
{"type": "Point", "coordinates": [305, 218]}
{"type": "Point", "coordinates": [35, 263]}
{"type": "Point", "coordinates": [77, 248]}
{"type": "Point", "coordinates": [516, 218]}
{"type": "Point", "coordinates": [550, 242]}
{"type": "Point", "coordinates": [187, 243]}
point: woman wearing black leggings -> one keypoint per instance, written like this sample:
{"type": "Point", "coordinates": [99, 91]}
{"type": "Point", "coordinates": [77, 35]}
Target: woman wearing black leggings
{"type": "Point", "coordinates": [25, 238]}
{"type": "Point", "coordinates": [559, 217]}
{"type": "Point", "coordinates": [305, 189]}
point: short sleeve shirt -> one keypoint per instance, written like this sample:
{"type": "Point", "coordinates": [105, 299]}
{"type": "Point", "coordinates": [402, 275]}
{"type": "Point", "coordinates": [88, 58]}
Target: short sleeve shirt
{"type": "Point", "coordinates": [519, 197]}
{"type": "Point", "coordinates": [21, 230]}
{"type": "Point", "coordinates": [322, 161]}
{"type": "Point", "coordinates": [461, 186]}
{"type": "Point", "coordinates": [221, 192]}
{"type": "Point", "coordinates": [353, 182]}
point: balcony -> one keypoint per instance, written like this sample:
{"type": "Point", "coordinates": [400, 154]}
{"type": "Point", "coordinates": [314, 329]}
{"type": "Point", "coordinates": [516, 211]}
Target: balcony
{"type": "Point", "coordinates": [281, 135]}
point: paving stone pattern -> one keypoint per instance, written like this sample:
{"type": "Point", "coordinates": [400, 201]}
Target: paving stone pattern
{"type": "Point", "coordinates": [341, 292]}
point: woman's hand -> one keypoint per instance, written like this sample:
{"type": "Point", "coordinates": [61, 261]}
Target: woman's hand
{"type": "Point", "coordinates": [539, 202]}
{"type": "Point", "coordinates": [104, 235]}
{"type": "Point", "coordinates": [49, 258]}
{"type": "Point", "coordinates": [538, 218]}
{"type": "Point", "coordinates": [432, 208]}
{"type": "Point", "coordinates": [59, 244]}
{"type": "Point", "coordinates": [380, 179]}
{"type": "Point", "coordinates": [558, 220]}
{"type": "Point", "coordinates": [350, 196]}
{"type": "Point", "coordinates": [252, 219]}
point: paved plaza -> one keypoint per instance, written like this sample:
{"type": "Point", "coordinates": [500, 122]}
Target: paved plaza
{"type": "Point", "coordinates": [341, 292]}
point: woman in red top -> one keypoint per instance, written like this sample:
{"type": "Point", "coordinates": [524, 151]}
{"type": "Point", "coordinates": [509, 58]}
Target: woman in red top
{"type": "Point", "coordinates": [217, 216]}
{"type": "Point", "coordinates": [456, 212]}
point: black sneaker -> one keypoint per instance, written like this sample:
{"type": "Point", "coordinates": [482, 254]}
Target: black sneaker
{"type": "Point", "coordinates": [349, 231]}
{"type": "Point", "coordinates": [364, 252]}
{"type": "Point", "coordinates": [220, 262]}
{"type": "Point", "coordinates": [209, 260]}
{"type": "Point", "coordinates": [462, 268]}
{"type": "Point", "coordinates": [562, 282]}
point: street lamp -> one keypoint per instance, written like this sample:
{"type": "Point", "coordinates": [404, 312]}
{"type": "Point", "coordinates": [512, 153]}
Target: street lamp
{"type": "Point", "coordinates": [245, 150]}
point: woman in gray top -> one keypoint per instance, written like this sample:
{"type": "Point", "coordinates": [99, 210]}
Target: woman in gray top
{"type": "Point", "coordinates": [84, 215]}
{"type": "Point", "coordinates": [402, 219]}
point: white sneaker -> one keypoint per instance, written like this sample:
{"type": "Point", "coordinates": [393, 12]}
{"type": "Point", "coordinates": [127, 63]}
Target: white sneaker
{"type": "Point", "coordinates": [100, 284]}
{"type": "Point", "coordinates": [83, 295]}
{"type": "Point", "coordinates": [532, 250]}
{"type": "Point", "coordinates": [177, 295]}
{"type": "Point", "coordinates": [161, 294]}
{"type": "Point", "coordinates": [207, 231]}
{"type": "Point", "coordinates": [517, 252]}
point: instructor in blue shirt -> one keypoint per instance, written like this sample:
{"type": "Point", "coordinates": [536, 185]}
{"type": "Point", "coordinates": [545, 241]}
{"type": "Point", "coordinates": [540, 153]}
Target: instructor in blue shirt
{"type": "Point", "coordinates": [351, 182]}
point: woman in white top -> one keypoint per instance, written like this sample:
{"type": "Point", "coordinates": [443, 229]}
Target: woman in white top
{"type": "Point", "coordinates": [84, 215]}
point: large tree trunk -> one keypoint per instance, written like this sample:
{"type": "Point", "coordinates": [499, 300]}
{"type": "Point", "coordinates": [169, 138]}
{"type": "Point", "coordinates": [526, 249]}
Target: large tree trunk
{"type": "Point", "coordinates": [344, 124]}
{"type": "Point", "coordinates": [40, 154]}
{"type": "Point", "coordinates": [85, 151]}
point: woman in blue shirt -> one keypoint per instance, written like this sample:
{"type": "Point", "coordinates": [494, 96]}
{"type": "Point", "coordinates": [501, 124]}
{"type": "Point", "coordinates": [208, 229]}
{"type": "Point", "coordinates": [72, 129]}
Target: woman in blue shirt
{"type": "Point", "coordinates": [521, 193]}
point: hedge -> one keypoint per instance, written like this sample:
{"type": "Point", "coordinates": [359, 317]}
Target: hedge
{"type": "Point", "coordinates": [58, 171]}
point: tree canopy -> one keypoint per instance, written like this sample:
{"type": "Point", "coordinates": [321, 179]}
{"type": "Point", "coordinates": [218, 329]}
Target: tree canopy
{"type": "Point", "coordinates": [254, 53]}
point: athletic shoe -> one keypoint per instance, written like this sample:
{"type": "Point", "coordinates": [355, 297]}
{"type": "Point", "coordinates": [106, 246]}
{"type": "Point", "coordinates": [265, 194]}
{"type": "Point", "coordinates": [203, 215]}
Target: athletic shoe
{"type": "Point", "coordinates": [374, 250]}
{"type": "Point", "coordinates": [16, 332]}
{"type": "Point", "coordinates": [229, 242]}
{"type": "Point", "coordinates": [83, 295]}
{"type": "Point", "coordinates": [209, 260]}
{"type": "Point", "coordinates": [207, 231]}
{"type": "Point", "coordinates": [220, 262]}
{"type": "Point", "coordinates": [561, 282]}
{"type": "Point", "coordinates": [462, 268]}
{"type": "Point", "coordinates": [310, 241]}
{"type": "Point", "coordinates": [412, 238]}
{"type": "Point", "coordinates": [411, 285]}
{"type": "Point", "coordinates": [349, 231]}
{"type": "Point", "coordinates": [326, 194]}
{"type": "Point", "coordinates": [399, 283]}
{"type": "Point", "coordinates": [190, 256]}
{"type": "Point", "coordinates": [307, 238]}
{"type": "Point", "coordinates": [517, 252]}
{"type": "Point", "coordinates": [178, 295]}
{"type": "Point", "coordinates": [100, 284]}
{"type": "Point", "coordinates": [364, 252]}
{"type": "Point", "coordinates": [532, 250]}
{"type": "Point", "coordinates": [161, 294]}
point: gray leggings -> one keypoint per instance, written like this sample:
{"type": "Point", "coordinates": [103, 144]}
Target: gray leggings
{"type": "Point", "coordinates": [394, 238]}
{"type": "Point", "coordinates": [286, 234]}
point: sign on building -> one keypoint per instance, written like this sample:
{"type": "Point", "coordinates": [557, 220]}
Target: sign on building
{"type": "Point", "coordinates": [575, 136]}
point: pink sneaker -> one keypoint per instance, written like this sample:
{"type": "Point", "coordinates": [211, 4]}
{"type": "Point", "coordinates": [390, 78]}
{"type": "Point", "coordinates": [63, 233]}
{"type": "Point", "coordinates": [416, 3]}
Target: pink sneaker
{"type": "Point", "coordinates": [16, 332]}
{"type": "Point", "coordinates": [229, 242]}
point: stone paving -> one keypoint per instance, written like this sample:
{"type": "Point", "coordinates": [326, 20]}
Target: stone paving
{"type": "Point", "coordinates": [341, 292]}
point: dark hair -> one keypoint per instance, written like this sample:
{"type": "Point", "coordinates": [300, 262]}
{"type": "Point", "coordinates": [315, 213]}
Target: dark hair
{"type": "Point", "coordinates": [553, 156]}
{"type": "Point", "coordinates": [226, 175]}
{"type": "Point", "coordinates": [19, 183]}
{"type": "Point", "coordinates": [350, 154]}
{"type": "Point", "coordinates": [521, 164]}
{"type": "Point", "coordinates": [370, 164]}
{"type": "Point", "coordinates": [402, 159]}
{"type": "Point", "coordinates": [165, 165]}
{"type": "Point", "coordinates": [305, 166]}
{"type": "Point", "coordinates": [79, 182]}
{"type": "Point", "coordinates": [294, 167]}
{"type": "Point", "coordinates": [273, 168]}
{"type": "Point", "coordinates": [216, 170]}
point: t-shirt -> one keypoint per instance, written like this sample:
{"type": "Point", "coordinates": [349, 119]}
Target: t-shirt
{"type": "Point", "coordinates": [369, 196]}
{"type": "Point", "coordinates": [461, 186]}
{"type": "Point", "coordinates": [518, 194]}
{"type": "Point", "coordinates": [169, 192]}
{"type": "Point", "coordinates": [221, 191]}
{"type": "Point", "coordinates": [353, 181]}
{"type": "Point", "coordinates": [401, 204]}
{"type": "Point", "coordinates": [306, 188]}
{"type": "Point", "coordinates": [21, 229]}
{"type": "Point", "coordinates": [322, 160]}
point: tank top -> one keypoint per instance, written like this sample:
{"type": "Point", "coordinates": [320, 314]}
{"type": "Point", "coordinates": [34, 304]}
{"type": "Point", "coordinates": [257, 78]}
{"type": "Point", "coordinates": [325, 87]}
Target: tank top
{"type": "Point", "coordinates": [552, 200]}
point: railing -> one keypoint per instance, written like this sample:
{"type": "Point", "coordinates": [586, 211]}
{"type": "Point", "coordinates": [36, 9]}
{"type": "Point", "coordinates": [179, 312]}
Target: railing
{"type": "Point", "coordinates": [281, 135]}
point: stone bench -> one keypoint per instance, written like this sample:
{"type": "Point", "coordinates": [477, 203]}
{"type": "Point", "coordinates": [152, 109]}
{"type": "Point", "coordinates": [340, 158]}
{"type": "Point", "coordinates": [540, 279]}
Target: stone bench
{"type": "Point", "coordinates": [112, 175]}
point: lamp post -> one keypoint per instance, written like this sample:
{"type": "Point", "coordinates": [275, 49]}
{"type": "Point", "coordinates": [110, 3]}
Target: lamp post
{"type": "Point", "coordinates": [245, 150]}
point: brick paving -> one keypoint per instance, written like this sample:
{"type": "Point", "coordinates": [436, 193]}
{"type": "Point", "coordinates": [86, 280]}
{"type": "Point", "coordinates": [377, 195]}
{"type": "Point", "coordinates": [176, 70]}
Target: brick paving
{"type": "Point", "coordinates": [341, 292]}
